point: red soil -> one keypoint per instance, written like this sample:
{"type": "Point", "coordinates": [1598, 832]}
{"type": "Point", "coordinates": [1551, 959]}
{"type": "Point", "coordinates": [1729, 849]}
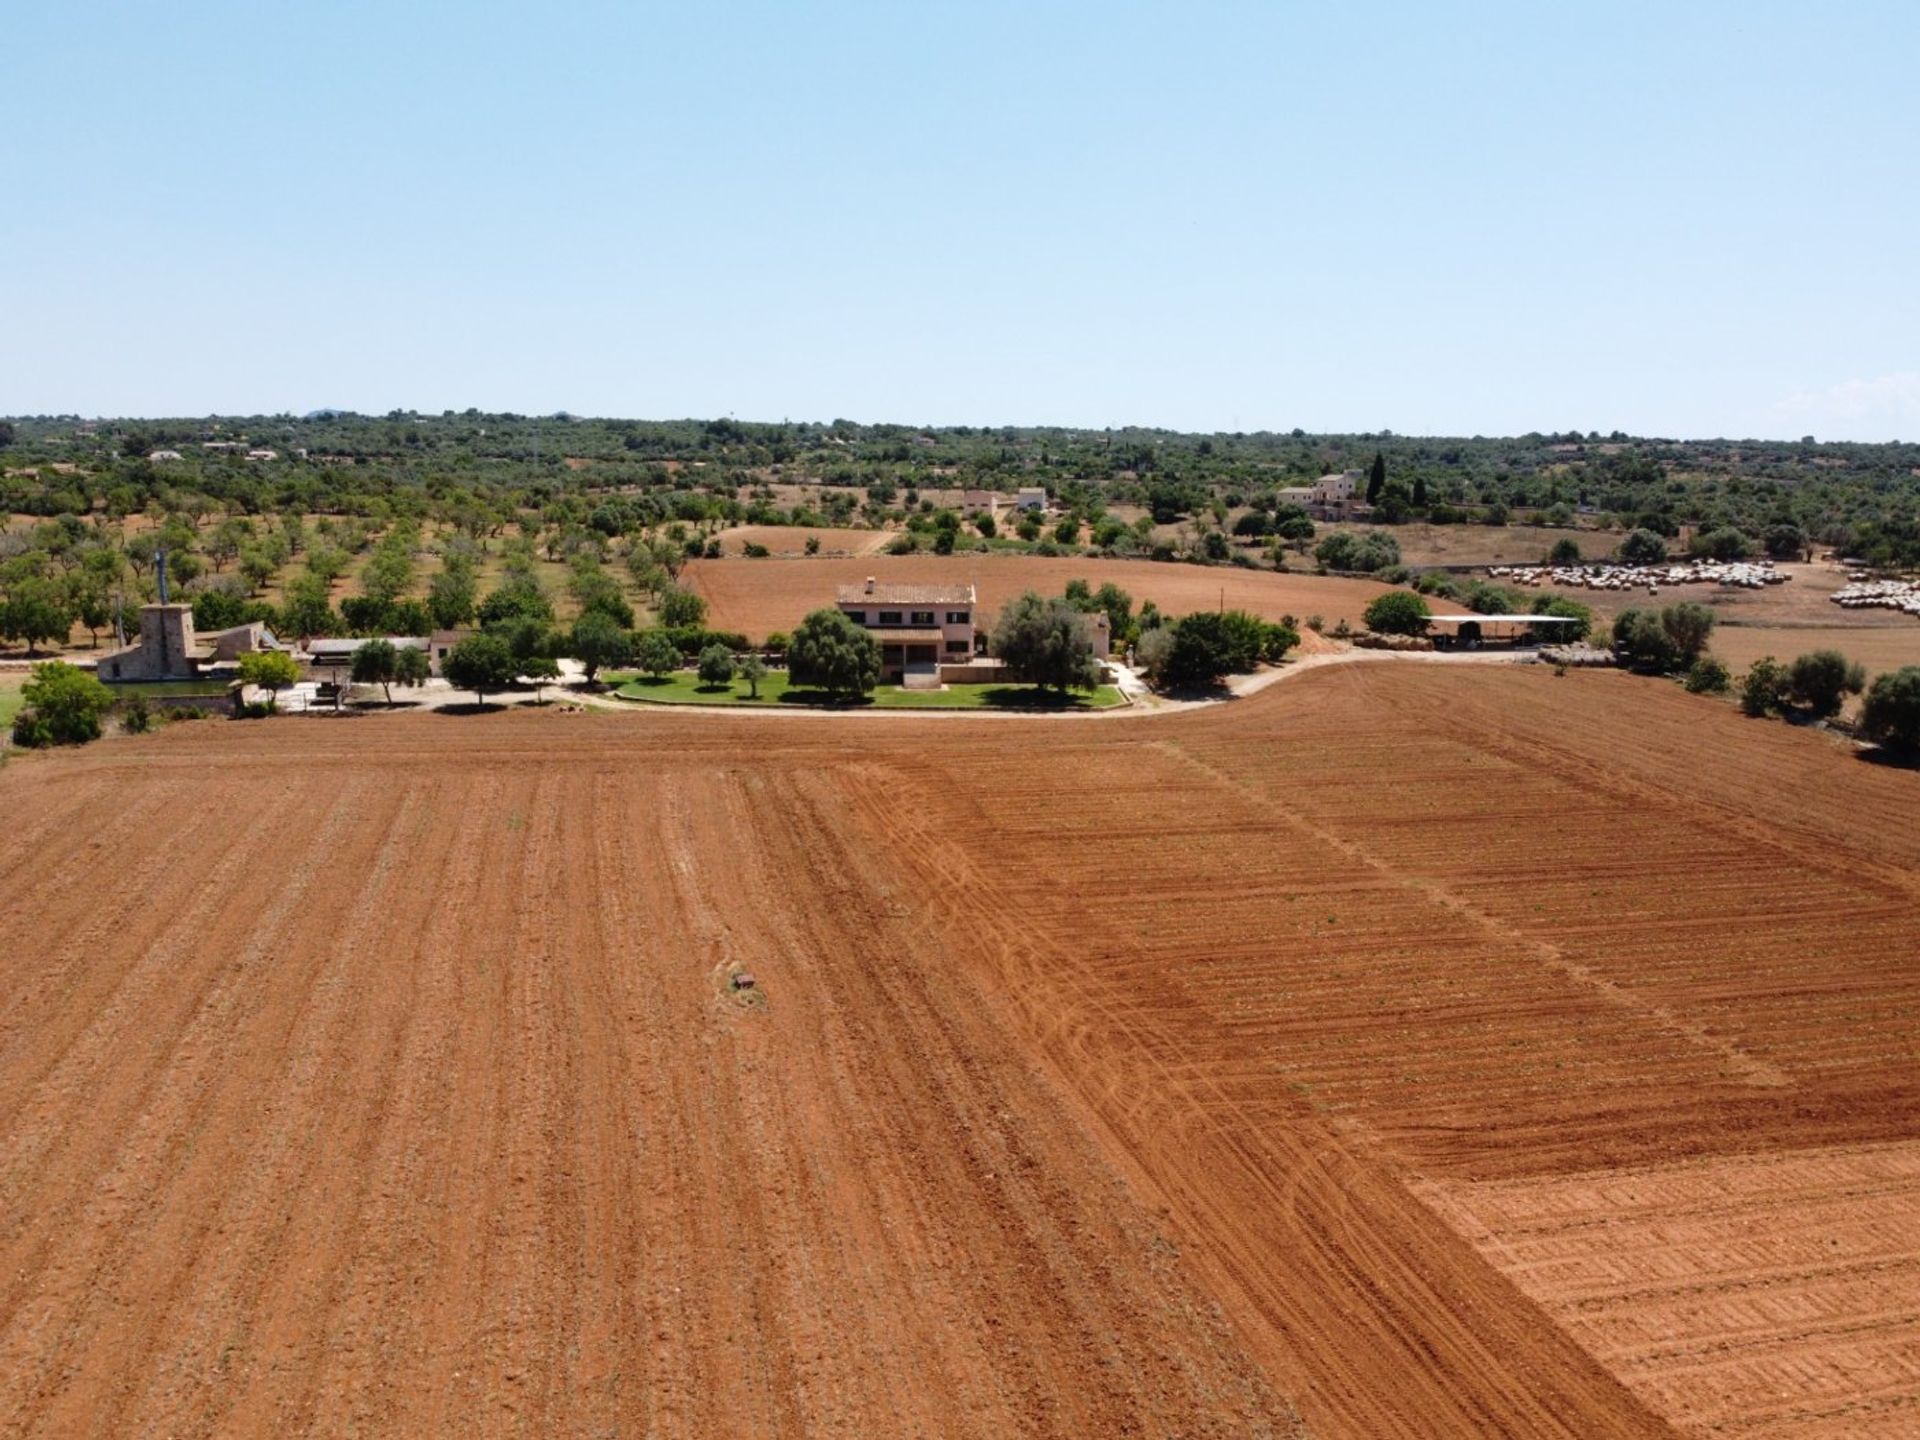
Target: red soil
{"type": "Point", "coordinates": [1431, 1050]}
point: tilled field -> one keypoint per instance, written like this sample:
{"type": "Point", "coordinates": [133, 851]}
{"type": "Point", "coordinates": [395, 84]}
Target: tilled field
{"type": "Point", "coordinates": [759, 596]}
{"type": "Point", "coordinates": [1404, 1051]}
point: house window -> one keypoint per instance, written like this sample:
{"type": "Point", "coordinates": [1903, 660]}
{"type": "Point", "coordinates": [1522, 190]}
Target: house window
{"type": "Point", "coordinates": [956, 617]}
{"type": "Point", "coordinates": [858, 617]}
{"type": "Point", "coordinates": [923, 617]}
{"type": "Point", "coordinates": [889, 617]}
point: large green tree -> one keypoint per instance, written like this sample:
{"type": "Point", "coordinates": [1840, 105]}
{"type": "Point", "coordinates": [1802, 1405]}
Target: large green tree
{"type": "Point", "coordinates": [481, 663]}
{"type": "Point", "coordinates": [1045, 643]}
{"type": "Point", "coordinates": [831, 652]}
{"type": "Point", "coordinates": [598, 642]}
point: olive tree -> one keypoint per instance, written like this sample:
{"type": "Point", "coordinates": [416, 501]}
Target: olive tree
{"type": "Point", "coordinates": [376, 662]}
{"type": "Point", "coordinates": [1819, 682]}
{"type": "Point", "coordinates": [1891, 714]}
{"type": "Point", "coordinates": [481, 663]}
{"type": "Point", "coordinates": [1045, 643]}
{"type": "Point", "coordinates": [829, 651]}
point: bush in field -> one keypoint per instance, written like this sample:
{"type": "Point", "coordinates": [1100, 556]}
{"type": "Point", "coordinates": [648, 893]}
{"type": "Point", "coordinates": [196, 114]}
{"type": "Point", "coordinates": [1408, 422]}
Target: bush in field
{"type": "Point", "coordinates": [829, 651]}
{"type": "Point", "coordinates": [1565, 551]}
{"type": "Point", "coordinates": [1659, 642]}
{"type": "Point", "coordinates": [1398, 612]}
{"type": "Point", "coordinates": [1891, 714]}
{"type": "Point", "coordinates": [60, 705]}
{"type": "Point", "coordinates": [715, 666]}
{"type": "Point", "coordinates": [1688, 625]}
{"type": "Point", "coordinates": [1820, 682]}
{"type": "Point", "coordinates": [1642, 547]}
{"type": "Point", "coordinates": [1725, 543]}
{"type": "Point", "coordinates": [1045, 643]}
{"type": "Point", "coordinates": [1763, 689]}
{"type": "Point", "coordinates": [1364, 551]}
{"type": "Point", "coordinates": [1708, 677]}
{"type": "Point", "coordinates": [1568, 610]}
{"type": "Point", "coordinates": [1210, 645]}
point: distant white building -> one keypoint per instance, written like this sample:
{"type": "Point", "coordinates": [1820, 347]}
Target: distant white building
{"type": "Point", "coordinates": [165, 455]}
{"type": "Point", "coordinates": [1030, 497]}
{"type": "Point", "coordinates": [263, 454]}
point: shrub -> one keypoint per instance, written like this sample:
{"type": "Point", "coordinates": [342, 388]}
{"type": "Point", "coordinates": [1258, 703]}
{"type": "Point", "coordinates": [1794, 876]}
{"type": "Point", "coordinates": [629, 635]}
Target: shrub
{"type": "Point", "coordinates": [1212, 644]}
{"type": "Point", "coordinates": [60, 705]}
{"type": "Point", "coordinates": [830, 651]}
{"type": "Point", "coordinates": [1707, 676]}
{"type": "Point", "coordinates": [1399, 612]}
{"type": "Point", "coordinates": [1687, 625]}
{"type": "Point", "coordinates": [716, 665]}
{"type": "Point", "coordinates": [1565, 551]}
{"type": "Point", "coordinates": [136, 715]}
{"type": "Point", "coordinates": [1891, 714]}
{"type": "Point", "coordinates": [755, 552]}
{"type": "Point", "coordinates": [1725, 543]}
{"type": "Point", "coordinates": [1763, 688]}
{"type": "Point", "coordinates": [1566, 609]}
{"type": "Point", "coordinates": [1642, 547]}
{"type": "Point", "coordinates": [1364, 551]}
{"type": "Point", "coordinates": [1820, 682]}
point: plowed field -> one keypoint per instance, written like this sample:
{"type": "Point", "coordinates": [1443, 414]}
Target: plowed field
{"type": "Point", "coordinates": [1404, 1051]}
{"type": "Point", "coordinates": [758, 596]}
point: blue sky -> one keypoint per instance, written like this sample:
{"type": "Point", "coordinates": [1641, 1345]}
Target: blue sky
{"type": "Point", "coordinates": [1677, 218]}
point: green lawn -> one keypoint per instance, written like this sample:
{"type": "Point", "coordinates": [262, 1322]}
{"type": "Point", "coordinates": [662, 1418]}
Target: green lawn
{"type": "Point", "coordinates": [10, 703]}
{"type": "Point", "coordinates": [684, 688]}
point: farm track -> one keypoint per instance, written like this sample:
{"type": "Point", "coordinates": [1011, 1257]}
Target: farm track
{"type": "Point", "coordinates": [1404, 1051]}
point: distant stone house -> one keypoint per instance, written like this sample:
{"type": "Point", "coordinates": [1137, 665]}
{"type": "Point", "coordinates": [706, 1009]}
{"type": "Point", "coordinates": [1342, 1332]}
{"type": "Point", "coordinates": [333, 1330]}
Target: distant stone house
{"type": "Point", "coordinates": [1335, 496]}
{"type": "Point", "coordinates": [169, 648]}
{"type": "Point", "coordinates": [1030, 497]}
{"type": "Point", "coordinates": [918, 626]}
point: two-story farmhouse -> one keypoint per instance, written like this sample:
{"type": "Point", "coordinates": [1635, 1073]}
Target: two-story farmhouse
{"type": "Point", "coordinates": [918, 626]}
